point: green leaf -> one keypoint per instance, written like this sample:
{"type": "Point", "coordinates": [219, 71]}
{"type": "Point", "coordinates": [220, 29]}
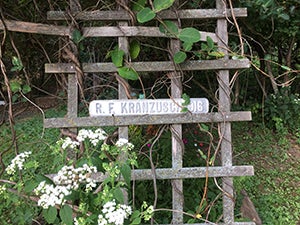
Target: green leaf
{"type": "Point", "coordinates": [169, 28]}
{"type": "Point", "coordinates": [187, 46]}
{"type": "Point", "coordinates": [66, 215]}
{"type": "Point", "coordinates": [204, 47]}
{"type": "Point", "coordinates": [190, 35]}
{"type": "Point", "coordinates": [216, 54]}
{"type": "Point", "coordinates": [50, 214]}
{"type": "Point", "coordinates": [135, 49]}
{"type": "Point", "coordinates": [26, 89]}
{"type": "Point", "coordinates": [184, 110]}
{"type": "Point", "coordinates": [204, 127]}
{"type": "Point", "coordinates": [145, 15]}
{"type": "Point", "coordinates": [137, 220]}
{"type": "Point", "coordinates": [268, 57]}
{"type": "Point", "coordinates": [128, 73]}
{"type": "Point", "coordinates": [160, 5]}
{"type": "Point", "coordinates": [117, 57]}
{"type": "Point", "coordinates": [180, 57]}
{"type": "Point", "coordinates": [17, 64]}
{"type": "Point", "coordinates": [186, 99]}
{"type": "Point", "coordinates": [284, 16]}
{"type": "Point", "coordinates": [30, 186]}
{"type": "Point", "coordinates": [118, 195]}
{"type": "Point", "coordinates": [126, 173]}
{"type": "Point", "coordinates": [210, 43]}
{"type": "Point", "coordinates": [138, 5]}
{"type": "Point", "coordinates": [285, 68]}
{"type": "Point", "coordinates": [77, 36]}
{"type": "Point", "coordinates": [15, 86]}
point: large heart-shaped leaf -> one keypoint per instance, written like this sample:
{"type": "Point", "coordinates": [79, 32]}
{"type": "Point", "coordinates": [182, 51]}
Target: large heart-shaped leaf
{"type": "Point", "coordinates": [190, 35]}
{"type": "Point", "coordinates": [145, 15]}
{"type": "Point", "coordinates": [50, 214]}
{"type": "Point", "coordinates": [168, 27]}
{"type": "Point", "coordinates": [66, 215]}
{"type": "Point", "coordinates": [160, 5]}
{"type": "Point", "coordinates": [128, 73]}
{"type": "Point", "coordinates": [117, 57]}
{"type": "Point", "coordinates": [135, 49]}
{"type": "Point", "coordinates": [179, 57]}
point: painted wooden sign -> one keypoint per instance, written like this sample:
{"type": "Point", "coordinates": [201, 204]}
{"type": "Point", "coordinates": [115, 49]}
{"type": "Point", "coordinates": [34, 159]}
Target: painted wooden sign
{"type": "Point", "coordinates": [146, 106]}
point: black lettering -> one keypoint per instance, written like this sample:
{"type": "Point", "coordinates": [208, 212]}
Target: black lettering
{"type": "Point", "coordinates": [110, 108]}
{"type": "Point", "coordinates": [145, 107]}
{"type": "Point", "coordinates": [158, 107]}
{"type": "Point", "coordinates": [152, 107]}
{"type": "Point", "coordinates": [131, 107]}
{"type": "Point", "coordinates": [173, 107]}
{"type": "Point", "coordinates": [165, 107]}
{"type": "Point", "coordinates": [123, 107]}
{"type": "Point", "coordinates": [138, 108]}
{"type": "Point", "coordinates": [98, 108]}
{"type": "Point", "coordinates": [200, 106]}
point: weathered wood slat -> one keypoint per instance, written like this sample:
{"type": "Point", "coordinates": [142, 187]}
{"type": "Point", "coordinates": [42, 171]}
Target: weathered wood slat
{"type": "Point", "coordinates": [34, 28]}
{"type": "Point", "coordinates": [106, 31]}
{"type": "Point", "coordinates": [134, 31]}
{"type": "Point", "coordinates": [151, 66]}
{"type": "Point", "coordinates": [185, 173]}
{"type": "Point", "coordinates": [146, 119]}
{"type": "Point", "coordinates": [167, 14]}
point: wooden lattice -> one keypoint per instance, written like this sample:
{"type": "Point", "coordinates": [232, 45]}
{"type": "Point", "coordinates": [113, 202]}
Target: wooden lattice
{"type": "Point", "coordinates": [224, 116]}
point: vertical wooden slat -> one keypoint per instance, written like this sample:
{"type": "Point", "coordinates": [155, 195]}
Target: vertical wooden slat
{"type": "Point", "coordinates": [124, 45]}
{"type": "Point", "coordinates": [225, 128]}
{"type": "Point", "coordinates": [177, 146]}
{"type": "Point", "coordinates": [72, 80]}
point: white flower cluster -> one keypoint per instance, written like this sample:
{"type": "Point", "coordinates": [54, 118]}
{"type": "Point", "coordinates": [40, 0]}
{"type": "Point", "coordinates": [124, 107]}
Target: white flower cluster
{"type": "Point", "coordinates": [2, 189]}
{"type": "Point", "coordinates": [123, 143]}
{"type": "Point", "coordinates": [66, 180]}
{"type": "Point", "coordinates": [72, 177]}
{"type": "Point", "coordinates": [114, 214]}
{"type": "Point", "coordinates": [51, 195]}
{"type": "Point", "coordinates": [69, 143]}
{"type": "Point", "coordinates": [17, 162]}
{"type": "Point", "coordinates": [94, 137]}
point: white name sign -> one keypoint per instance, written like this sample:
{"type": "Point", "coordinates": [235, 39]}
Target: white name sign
{"type": "Point", "coordinates": [146, 106]}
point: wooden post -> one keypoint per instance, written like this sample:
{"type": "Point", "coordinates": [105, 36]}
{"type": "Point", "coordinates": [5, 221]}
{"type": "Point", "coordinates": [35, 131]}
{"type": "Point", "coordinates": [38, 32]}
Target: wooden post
{"type": "Point", "coordinates": [225, 127]}
{"type": "Point", "coordinates": [72, 80]}
{"type": "Point", "coordinates": [177, 144]}
{"type": "Point", "coordinates": [124, 45]}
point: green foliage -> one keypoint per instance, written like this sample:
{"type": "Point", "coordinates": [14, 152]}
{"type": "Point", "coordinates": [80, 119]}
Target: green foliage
{"type": "Point", "coordinates": [169, 28]}
{"type": "Point", "coordinates": [274, 188]}
{"type": "Point", "coordinates": [135, 49]}
{"type": "Point", "coordinates": [189, 35]}
{"type": "Point", "coordinates": [128, 73]}
{"type": "Point", "coordinates": [145, 15]}
{"type": "Point", "coordinates": [179, 57]}
{"type": "Point", "coordinates": [17, 64]}
{"type": "Point", "coordinates": [117, 56]}
{"type": "Point", "coordinates": [282, 109]}
{"type": "Point", "coordinates": [160, 5]}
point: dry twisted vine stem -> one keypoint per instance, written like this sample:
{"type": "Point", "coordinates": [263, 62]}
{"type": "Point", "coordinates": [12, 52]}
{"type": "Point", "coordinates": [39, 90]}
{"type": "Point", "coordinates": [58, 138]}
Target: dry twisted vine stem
{"type": "Point", "coordinates": [9, 94]}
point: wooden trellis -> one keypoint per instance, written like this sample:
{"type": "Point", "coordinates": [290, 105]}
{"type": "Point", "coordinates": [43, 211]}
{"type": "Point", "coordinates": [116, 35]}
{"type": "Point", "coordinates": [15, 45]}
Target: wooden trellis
{"type": "Point", "coordinates": [224, 116]}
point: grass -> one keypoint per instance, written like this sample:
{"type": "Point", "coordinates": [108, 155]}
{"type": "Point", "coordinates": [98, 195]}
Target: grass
{"type": "Point", "coordinates": [274, 189]}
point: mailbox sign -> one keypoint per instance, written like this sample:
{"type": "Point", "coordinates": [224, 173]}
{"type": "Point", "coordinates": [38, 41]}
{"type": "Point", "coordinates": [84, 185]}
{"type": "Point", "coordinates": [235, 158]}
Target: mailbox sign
{"type": "Point", "coordinates": [146, 106]}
